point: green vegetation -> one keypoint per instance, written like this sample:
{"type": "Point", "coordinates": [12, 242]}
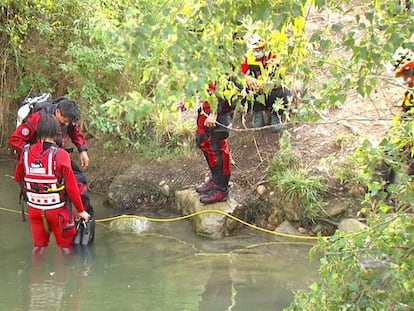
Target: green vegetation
{"type": "Point", "coordinates": [296, 187]}
{"type": "Point", "coordinates": [371, 269]}
{"type": "Point", "coordinates": [129, 62]}
{"type": "Point", "coordinates": [124, 64]}
{"type": "Point", "coordinates": [366, 270]}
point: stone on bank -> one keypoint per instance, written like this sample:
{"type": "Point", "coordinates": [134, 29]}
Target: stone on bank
{"type": "Point", "coordinates": [210, 220]}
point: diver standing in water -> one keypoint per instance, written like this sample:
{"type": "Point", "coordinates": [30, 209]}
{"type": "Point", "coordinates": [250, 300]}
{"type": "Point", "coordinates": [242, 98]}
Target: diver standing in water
{"type": "Point", "coordinates": [46, 175]}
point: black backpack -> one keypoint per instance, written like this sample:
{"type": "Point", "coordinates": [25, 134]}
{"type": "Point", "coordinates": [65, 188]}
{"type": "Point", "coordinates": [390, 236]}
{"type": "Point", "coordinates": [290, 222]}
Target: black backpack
{"type": "Point", "coordinates": [32, 104]}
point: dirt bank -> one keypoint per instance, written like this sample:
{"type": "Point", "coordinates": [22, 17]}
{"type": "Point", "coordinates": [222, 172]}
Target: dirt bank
{"type": "Point", "coordinates": [322, 146]}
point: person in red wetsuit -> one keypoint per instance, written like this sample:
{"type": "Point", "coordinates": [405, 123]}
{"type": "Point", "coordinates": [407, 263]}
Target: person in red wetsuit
{"type": "Point", "coordinates": [66, 112]}
{"type": "Point", "coordinates": [44, 170]}
{"type": "Point", "coordinates": [255, 65]}
{"type": "Point", "coordinates": [212, 139]}
{"type": "Point", "coordinates": [403, 69]}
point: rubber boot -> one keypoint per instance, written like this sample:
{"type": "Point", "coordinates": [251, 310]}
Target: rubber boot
{"type": "Point", "coordinates": [223, 182]}
{"type": "Point", "coordinates": [214, 197]}
{"type": "Point", "coordinates": [275, 122]}
{"type": "Point", "coordinates": [204, 188]}
{"type": "Point", "coordinates": [258, 119]}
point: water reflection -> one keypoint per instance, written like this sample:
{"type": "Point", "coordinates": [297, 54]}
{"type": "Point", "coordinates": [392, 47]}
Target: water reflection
{"type": "Point", "coordinates": [169, 269]}
{"type": "Point", "coordinates": [53, 283]}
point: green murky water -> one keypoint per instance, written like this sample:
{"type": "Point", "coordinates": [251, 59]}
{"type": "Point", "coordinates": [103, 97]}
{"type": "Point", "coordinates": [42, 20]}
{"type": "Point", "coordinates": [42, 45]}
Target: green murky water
{"type": "Point", "coordinates": [169, 269]}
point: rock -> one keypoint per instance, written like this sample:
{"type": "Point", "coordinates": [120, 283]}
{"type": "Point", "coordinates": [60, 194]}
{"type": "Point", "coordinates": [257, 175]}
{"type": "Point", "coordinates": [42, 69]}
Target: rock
{"type": "Point", "coordinates": [271, 226]}
{"type": "Point", "coordinates": [144, 181]}
{"type": "Point", "coordinates": [350, 225]}
{"type": "Point", "coordinates": [317, 228]}
{"type": "Point", "coordinates": [130, 225]}
{"type": "Point", "coordinates": [261, 189]}
{"type": "Point", "coordinates": [288, 228]}
{"type": "Point", "coordinates": [211, 220]}
{"type": "Point", "coordinates": [302, 230]}
{"type": "Point", "coordinates": [335, 210]}
{"type": "Point", "coordinates": [164, 189]}
{"type": "Point", "coordinates": [357, 191]}
{"type": "Point", "coordinates": [275, 217]}
{"type": "Point", "coordinates": [292, 211]}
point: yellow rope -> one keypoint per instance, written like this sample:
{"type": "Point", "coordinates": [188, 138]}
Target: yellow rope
{"type": "Point", "coordinates": [303, 237]}
{"type": "Point", "coordinates": [10, 210]}
{"type": "Point", "coordinates": [210, 211]}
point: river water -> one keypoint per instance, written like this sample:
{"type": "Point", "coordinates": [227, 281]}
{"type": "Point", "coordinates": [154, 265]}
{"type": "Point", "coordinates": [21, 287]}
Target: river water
{"type": "Point", "coordinates": [169, 269]}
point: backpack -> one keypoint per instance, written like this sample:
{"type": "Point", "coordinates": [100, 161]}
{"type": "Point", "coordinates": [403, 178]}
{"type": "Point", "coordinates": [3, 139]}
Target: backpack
{"type": "Point", "coordinates": [32, 104]}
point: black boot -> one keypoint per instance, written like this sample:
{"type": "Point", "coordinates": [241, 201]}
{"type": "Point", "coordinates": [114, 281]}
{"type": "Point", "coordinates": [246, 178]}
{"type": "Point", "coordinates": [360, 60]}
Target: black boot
{"type": "Point", "coordinates": [258, 119]}
{"type": "Point", "coordinates": [276, 123]}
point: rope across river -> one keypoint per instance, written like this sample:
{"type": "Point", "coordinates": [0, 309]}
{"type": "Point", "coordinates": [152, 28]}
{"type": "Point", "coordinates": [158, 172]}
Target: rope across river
{"type": "Point", "coordinates": [207, 211]}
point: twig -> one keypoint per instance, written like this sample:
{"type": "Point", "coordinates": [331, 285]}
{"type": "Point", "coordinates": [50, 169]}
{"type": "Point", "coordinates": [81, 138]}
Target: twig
{"type": "Point", "coordinates": [257, 150]}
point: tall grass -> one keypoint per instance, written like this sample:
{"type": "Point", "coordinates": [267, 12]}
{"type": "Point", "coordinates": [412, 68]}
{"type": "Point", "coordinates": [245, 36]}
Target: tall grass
{"type": "Point", "coordinates": [300, 193]}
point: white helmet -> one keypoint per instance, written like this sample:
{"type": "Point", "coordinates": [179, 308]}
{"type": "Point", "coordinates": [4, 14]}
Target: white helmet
{"type": "Point", "coordinates": [402, 60]}
{"type": "Point", "coordinates": [254, 41]}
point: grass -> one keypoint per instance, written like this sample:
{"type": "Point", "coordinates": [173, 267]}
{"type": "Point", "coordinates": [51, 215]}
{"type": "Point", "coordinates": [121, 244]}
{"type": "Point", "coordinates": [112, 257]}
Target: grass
{"type": "Point", "coordinates": [300, 193]}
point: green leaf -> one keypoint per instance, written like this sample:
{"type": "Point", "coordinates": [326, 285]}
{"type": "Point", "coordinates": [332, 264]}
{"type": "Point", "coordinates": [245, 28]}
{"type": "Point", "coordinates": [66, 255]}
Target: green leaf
{"type": "Point", "coordinates": [314, 287]}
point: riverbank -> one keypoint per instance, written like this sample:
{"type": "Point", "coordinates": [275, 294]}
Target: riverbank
{"type": "Point", "coordinates": [322, 146]}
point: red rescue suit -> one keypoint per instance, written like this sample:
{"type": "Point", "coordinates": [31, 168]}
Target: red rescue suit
{"type": "Point", "coordinates": [213, 142]}
{"type": "Point", "coordinates": [26, 132]}
{"type": "Point", "coordinates": [47, 177]}
{"type": "Point", "coordinates": [255, 67]}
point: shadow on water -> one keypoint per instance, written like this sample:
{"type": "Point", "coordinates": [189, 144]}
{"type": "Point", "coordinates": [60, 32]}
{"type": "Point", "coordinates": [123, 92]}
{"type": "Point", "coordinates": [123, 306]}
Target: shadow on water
{"type": "Point", "coordinates": [168, 269]}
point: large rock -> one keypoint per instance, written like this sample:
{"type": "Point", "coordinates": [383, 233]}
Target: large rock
{"type": "Point", "coordinates": [350, 225]}
{"type": "Point", "coordinates": [130, 225]}
{"type": "Point", "coordinates": [287, 228]}
{"type": "Point", "coordinates": [210, 220]}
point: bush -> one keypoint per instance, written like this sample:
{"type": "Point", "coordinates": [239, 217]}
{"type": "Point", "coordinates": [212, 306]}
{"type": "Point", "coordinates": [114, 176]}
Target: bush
{"type": "Point", "coordinates": [371, 269]}
{"type": "Point", "coordinates": [365, 270]}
